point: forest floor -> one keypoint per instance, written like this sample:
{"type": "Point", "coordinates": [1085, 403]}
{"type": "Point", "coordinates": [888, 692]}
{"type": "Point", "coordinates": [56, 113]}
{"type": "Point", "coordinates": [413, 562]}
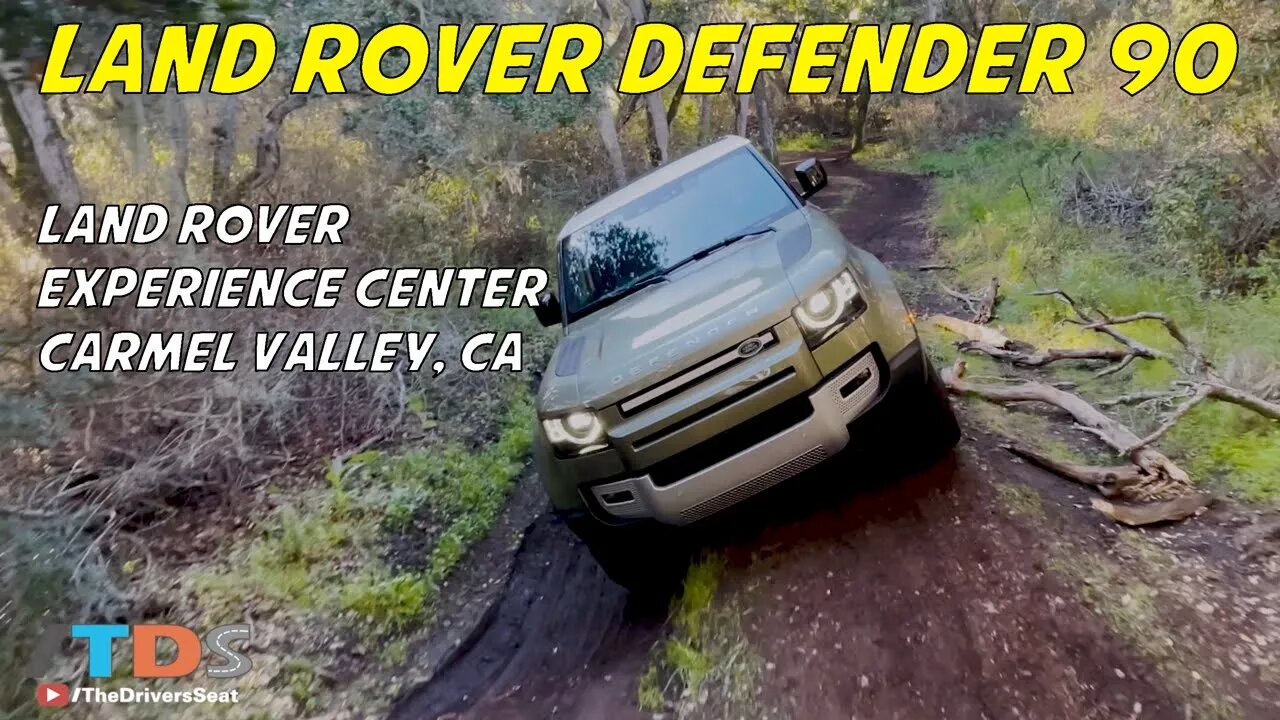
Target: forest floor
{"type": "Point", "coordinates": [979, 588]}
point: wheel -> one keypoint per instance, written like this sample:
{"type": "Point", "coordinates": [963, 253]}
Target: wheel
{"type": "Point", "coordinates": [939, 430]}
{"type": "Point", "coordinates": [641, 557]}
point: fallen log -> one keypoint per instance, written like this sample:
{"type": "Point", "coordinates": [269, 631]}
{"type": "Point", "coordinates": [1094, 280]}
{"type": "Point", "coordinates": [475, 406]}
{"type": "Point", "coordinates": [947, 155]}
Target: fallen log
{"type": "Point", "coordinates": [1205, 390]}
{"type": "Point", "coordinates": [1110, 481]}
{"type": "Point", "coordinates": [1179, 508]}
{"type": "Point", "coordinates": [987, 311]}
{"type": "Point", "coordinates": [1125, 441]}
{"type": "Point", "coordinates": [979, 333]}
{"type": "Point", "coordinates": [1243, 398]}
{"type": "Point", "coordinates": [1040, 358]}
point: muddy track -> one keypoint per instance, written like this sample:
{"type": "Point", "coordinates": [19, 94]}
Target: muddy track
{"type": "Point", "coordinates": [878, 597]}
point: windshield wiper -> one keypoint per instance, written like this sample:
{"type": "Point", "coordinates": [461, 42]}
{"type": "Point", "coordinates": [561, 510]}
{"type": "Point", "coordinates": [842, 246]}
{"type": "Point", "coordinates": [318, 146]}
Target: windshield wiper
{"type": "Point", "coordinates": [717, 245]}
{"type": "Point", "coordinates": [610, 298]}
{"type": "Point", "coordinates": [729, 241]}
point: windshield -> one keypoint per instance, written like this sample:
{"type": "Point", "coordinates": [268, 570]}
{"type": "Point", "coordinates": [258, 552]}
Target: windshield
{"type": "Point", "coordinates": [642, 239]}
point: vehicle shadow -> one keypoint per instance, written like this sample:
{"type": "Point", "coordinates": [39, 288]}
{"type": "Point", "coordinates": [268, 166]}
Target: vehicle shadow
{"type": "Point", "coordinates": [833, 501]}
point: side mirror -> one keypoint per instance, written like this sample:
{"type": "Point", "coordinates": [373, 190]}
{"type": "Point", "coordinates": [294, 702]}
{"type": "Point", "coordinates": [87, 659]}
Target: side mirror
{"type": "Point", "coordinates": [812, 177]}
{"type": "Point", "coordinates": [548, 309]}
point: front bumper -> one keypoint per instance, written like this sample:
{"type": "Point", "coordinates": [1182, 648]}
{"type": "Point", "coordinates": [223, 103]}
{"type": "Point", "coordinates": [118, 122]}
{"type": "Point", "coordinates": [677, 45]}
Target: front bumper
{"type": "Point", "coordinates": [834, 404]}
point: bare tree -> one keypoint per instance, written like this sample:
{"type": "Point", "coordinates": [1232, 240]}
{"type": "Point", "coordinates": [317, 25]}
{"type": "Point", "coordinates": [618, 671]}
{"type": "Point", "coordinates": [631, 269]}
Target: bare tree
{"type": "Point", "coordinates": [659, 129]}
{"type": "Point", "coordinates": [44, 173]}
{"type": "Point", "coordinates": [268, 154]}
{"type": "Point", "coordinates": [735, 69]}
{"type": "Point", "coordinates": [606, 121]}
{"type": "Point", "coordinates": [764, 120]}
{"type": "Point", "coordinates": [704, 119]}
{"type": "Point", "coordinates": [176, 133]}
{"type": "Point", "coordinates": [223, 146]}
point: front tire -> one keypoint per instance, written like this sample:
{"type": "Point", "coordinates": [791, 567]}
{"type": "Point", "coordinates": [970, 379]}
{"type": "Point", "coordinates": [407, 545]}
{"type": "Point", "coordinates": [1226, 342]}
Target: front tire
{"type": "Point", "coordinates": [642, 557]}
{"type": "Point", "coordinates": [936, 423]}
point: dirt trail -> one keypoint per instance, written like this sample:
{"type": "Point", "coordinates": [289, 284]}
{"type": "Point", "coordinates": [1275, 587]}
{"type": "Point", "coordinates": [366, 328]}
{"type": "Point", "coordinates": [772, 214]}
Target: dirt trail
{"type": "Point", "coordinates": [877, 597]}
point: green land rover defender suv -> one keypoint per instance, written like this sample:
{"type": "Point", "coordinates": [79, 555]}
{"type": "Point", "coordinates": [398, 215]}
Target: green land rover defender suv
{"type": "Point", "coordinates": [720, 336]}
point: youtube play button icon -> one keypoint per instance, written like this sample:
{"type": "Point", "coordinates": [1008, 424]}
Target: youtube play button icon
{"type": "Point", "coordinates": [52, 695]}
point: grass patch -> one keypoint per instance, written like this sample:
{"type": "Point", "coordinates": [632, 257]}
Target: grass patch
{"type": "Point", "coordinates": [1129, 597]}
{"type": "Point", "coordinates": [808, 140]}
{"type": "Point", "coordinates": [319, 553]}
{"type": "Point", "coordinates": [705, 662]}
{"type": "Point", "coordinates": [998, 206]}
{"type": "Point", "coordinates": [1020, 500]}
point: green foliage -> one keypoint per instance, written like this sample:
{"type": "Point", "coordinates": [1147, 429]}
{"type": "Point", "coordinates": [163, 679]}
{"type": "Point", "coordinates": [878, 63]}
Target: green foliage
{"type": "Point", "coordinates": [304, 686]}
{"type": "Point", "coordinates": [998, 206]}
{"type": "Point", "coordinates": [388, 603]}
{"type": "Point", "coordinates": [705, 648]}
{"type": "Point", "coordinates": [808, 140]}
{"type": "Point", "coordinates": [306, 559]}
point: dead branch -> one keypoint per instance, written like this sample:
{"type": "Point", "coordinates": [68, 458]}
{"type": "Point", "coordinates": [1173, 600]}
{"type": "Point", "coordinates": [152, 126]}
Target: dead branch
{"type": "Point", "coordinates": [933, 266]}
{"type": "Point", "coordinates": [1243, 398]}
{"type": "Point", "coordinates": [1179, 508]}
{"type": "Point", "coordinates": [1110, 481]}
{"type": "Point", "coordinates": [987, 311]}
{"type": "Point", "coordinates": [1143, 397]}
{"type": "Point", "coordinates": [1114, 433]}
{"type": "Point", "coordinates": [970, 301]}
{"type": "Point", "coordinates": [1201, 394]}
{"type": "Point", "coordinates": [978, 333]}
{"type": "Point", "coordinates": [1202, 391]}
{"type": "Point", "coordinates": [1040, 358]}
{"type": "Point", "coordinates": [1124, 363]}
{"type": "Point", "coordinates": [1102, 324]}
{"type": "Point", "coordinates": [1202, 363]}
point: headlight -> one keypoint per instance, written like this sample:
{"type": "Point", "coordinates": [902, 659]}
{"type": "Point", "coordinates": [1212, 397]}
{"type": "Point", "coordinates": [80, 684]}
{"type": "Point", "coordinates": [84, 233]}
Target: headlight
{"type": "Point", "coordinates": [822, 314]}
{"type": "Point", "coordinates": [576, 433]}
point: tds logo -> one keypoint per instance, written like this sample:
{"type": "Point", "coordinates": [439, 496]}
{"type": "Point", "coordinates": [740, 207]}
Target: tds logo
{"type": "Point", "coordinates": [149, 659]}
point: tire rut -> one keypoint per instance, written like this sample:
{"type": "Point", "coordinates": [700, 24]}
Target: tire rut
{"type": "Point", "coordinates": [558, 617]}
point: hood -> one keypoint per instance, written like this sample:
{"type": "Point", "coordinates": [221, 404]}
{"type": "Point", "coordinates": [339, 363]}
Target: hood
{"type": "Point", "coordinates": [702, 309]}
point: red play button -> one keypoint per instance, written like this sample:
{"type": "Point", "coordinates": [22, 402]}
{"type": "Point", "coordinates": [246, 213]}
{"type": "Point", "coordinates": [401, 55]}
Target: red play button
{"type": "Point", "coordinates": [52, 695]}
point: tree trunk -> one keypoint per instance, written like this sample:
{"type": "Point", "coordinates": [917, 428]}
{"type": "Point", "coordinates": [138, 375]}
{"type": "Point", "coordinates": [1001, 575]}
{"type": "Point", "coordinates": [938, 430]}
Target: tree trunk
{"type": "Point", "coordinates": [175, 125]}
{"type": "Point", "coordinates": [704, 119]}
{"type": "Point", "coordinates": [24, 178]}
{"type": "Point", "coordinates": [268, 156]}
{"type": "Point", "coordinates": [735, 68]}
{"type": "Point", "coordinates": [765, 122]}
{"type": "Point", "coordinates": [131, 123]}
{"type": "Point", "coordinates": [860, 106]}
{"type": "Point", "coordinates": [674, 107]}
{"type": "Point", "coordinates": [224, 148]}
{"type": "Point", "coordinates": [660, 132]}
{"type": "Point", "coordinates": [609, 136]}
{"type": "Point", "coordinates": [57, 176]}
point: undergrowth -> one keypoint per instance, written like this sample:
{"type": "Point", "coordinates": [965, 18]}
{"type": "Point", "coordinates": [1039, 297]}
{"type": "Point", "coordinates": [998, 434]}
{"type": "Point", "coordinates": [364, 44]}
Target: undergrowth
{"type": "Point", "coordinates": [704, 663]}
{"type": "Point", "coordinates": [997, 203]}
{"type": "Point", "coordinates": [318, 553]}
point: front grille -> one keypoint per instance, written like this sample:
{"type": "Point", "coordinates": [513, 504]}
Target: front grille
{"type": "Point", "coordinates": [708, 368]}
{"type": "Point", "coordinates": [728, 443]}
{"type": "Point", "coordinates": [790, 468]}
{"type": "Point", "coordinates": [707, 412]}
